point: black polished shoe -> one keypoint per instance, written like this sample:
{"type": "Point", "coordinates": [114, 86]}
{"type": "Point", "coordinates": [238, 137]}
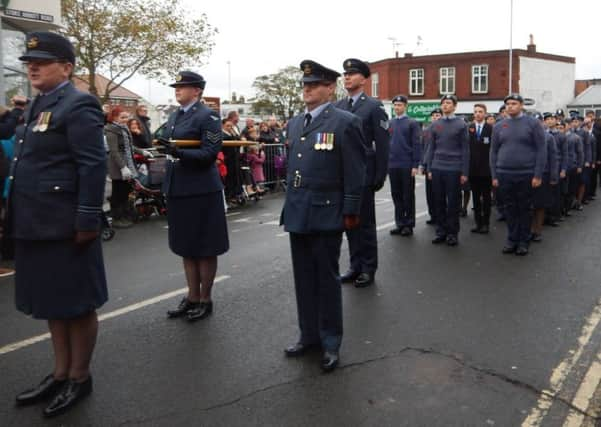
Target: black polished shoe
{"type": "Point", "coordinates": [439, 239]}
{"type": "Point", "coordinates": [44, 390]}
{"type": "Point", "coordinates": [349, 277]}
{"type": "Point", "coordinates": [300, 348]}
{"type": "Point", "coordinates": [521, 251]}
{"type": "Point", "coordinates": [202, 310]}
{"type": "Point", "coordinates": [535, 237]}
{"type": "Point", "coordinates": [484, 229]}
{"type": "Point", "coordinates": [476, 229]}
{"type": "Point", "coordinates": [508, 249]}
{"type": "Point", "coordinates": [406, 231]}
{"type": "Point", "coordinates": [71, 393]}
{"type": "Point", "coordinates": [463, 213]}
{"type": "Point", "coordinates": [364, 280]}
{"type": "Point", "coordinates": [396, 231]}
{"type": "Point", "coordinates": [183, 307]}
{"type": "Point", "coordinates": [329, 361]}
{"type": "Point", "coordinates": [431, 221]}
{"type": "Point", "coordinates": [452, 240]}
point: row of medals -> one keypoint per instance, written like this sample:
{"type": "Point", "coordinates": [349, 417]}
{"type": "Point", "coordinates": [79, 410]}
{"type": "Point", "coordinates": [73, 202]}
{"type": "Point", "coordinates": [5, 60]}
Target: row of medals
{"type": "Point", "coordinates": [323, 146]}
{"type": "Point", "coordinates": [43, 122]}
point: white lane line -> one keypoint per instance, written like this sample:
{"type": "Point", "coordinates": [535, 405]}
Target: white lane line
{"type": "Point", "coordinates": [274, 222]}
{"type": "Point", "coordinates": [281, 234]}
{"type": "Point", "coordinates": [119, 312]}
{"type": "Point", "coordinates": [233, 213]}
{"type": "Point", "coordinates": [585, 393]}
{"type": "Point", "coordinates": [382, 201]}
{"type": "Point", "coordinates": [561, 372]}
{"type": "Point", "coordinates": [390, 224]}
{"type": "Point", "coordinates": [235, 230]}
{"type": "Point", "coordinates": [242, 220]}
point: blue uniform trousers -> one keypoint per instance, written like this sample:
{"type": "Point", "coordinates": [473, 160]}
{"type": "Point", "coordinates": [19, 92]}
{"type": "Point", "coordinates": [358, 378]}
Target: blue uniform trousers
{"type": "Point", "coordinates": [363, 240]}
{"type": "Point", "coordinates": [516, 193]}
{"type": "Point", "coordinates": [447, 199]}
{"type": "Point", "coordinates": [317, 284]}
{"type": "Point", "coordinates": [402, 189]}
{"type": "Point", "coordinates": [430, 200]}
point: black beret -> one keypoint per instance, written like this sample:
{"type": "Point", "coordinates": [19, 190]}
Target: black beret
{"type": "Point", "coordinates": [575, 118]}
{"type": "Point", "coordinates": [547, 115]}
{"type": "Point", "coordinates": [400, 98]}
{"type": "Point", "coordinates": [451, 97]}
{"type": "Point", "coordinates": [436, 111]}
{"type": "Point", "coordinates": [189, 78]}
{"type": "Point", "coordinates": [314, 72]}
{"type": "Point", "coordinates": [514, 97]}
{"type": "Point", "coordinates": [559, 112]}
{"type": "Point", "coordinates": [501, 108]}
{"type": "Point", "coordinates": [353, 65]}
{"type": "Point", "coordinates": [574, 113]}
{"type": "Point", "coordinates": [538, 116]}
{"type": "Point", "coordinates": [47, 45]}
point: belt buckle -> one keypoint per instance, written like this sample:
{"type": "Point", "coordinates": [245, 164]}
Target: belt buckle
{"type": "Point", "coordinates": [297, 181]}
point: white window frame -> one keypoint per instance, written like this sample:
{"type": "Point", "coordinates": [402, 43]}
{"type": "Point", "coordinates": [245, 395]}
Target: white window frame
{"type": "Point", "coordinates": [447, 80]}
{"type": "Point", "coordinates": [479, 68]}
{"type": "Point", "coordinates": [416, 75]}
{"type": "Point", "coordinates": [375, 85]}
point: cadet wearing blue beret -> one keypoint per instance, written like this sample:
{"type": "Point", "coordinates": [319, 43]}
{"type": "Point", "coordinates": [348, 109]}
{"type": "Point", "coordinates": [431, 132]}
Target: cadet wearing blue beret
{"type": "Point", "coordinates": [363, 242]}
{"type": "Point", "coordinates": [326, 175]}
{"type": "Point", "coordinates": [55, 214]}
{"type": "Point", "coordinates": [195, 210]}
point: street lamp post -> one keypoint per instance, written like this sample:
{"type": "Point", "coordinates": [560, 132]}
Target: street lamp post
{"type": "Point", "coordinates": [229, 80]}
{"type": "Point", "coordinates": [510, 46]}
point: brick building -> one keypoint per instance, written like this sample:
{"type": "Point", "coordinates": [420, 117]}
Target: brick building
{"type": "Point", "coordinates": [119, 96]}
{"type": "Point", "coordinates": [546, 80]}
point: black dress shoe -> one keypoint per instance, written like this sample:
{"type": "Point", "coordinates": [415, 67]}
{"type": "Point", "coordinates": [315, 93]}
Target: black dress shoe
{"type": "Point", "coordinates": [535, 237]}
{"type": "Point", "coordinates": [508, 249]}
{"type": "Point", "coordinates": [349, 277]}
{"type": "Point", "coordinates": [463, 213]}
{"type": "Point", "coordinates": [430, 221]}
{"type": "Point", "coordinates": [521, 251]}
{"type": "Point", "coordinates": [406, 231]}
{"type": "Point", "coordinates": [396, 231]}
{"type": "Point", "coordinates": [476, 230]}
{"type": "Point", "coordinates": [202, 310]}
{"type": "Point", "coordinates": [44, 390]}
{"type": "Point", "coordinates": [299, 349]}
{"type": "Point", "coordinates": [329, 361]}
{"type": "Point", "coordinates": [364, 280]}
{"type": "Point", "coordinates": [71, 393]}
{"type": "Point", "coordinates": [452, 240]}
{"type": "Point", "coordinates": [183, 307]}
{"type": "Point", "coordinates": [439, 239]}
{"type": "Point", "coordinates": [484, 229]}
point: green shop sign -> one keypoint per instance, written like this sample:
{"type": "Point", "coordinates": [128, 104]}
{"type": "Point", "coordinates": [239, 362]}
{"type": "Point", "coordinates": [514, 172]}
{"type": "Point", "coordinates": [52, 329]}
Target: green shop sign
{"type": "Point", "coordinates": [420, 111]}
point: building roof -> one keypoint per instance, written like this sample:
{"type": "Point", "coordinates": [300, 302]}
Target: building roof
{"type": "Point", "coordinates": [591, 96]}
{"type": "Point", "coordinates": [81, 83]}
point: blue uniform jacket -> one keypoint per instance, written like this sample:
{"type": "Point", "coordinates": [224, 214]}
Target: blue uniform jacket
{"type": "Point", "coordinates": [58, 174]}
{"type": "Point", "coordinates": [405, 144]}
{"type": "Point", "coordinates": [324, 184]}
{"type": "Point", "coordinates": [194, 171]}
{"type": "Point", "coordinates": [374, 121]}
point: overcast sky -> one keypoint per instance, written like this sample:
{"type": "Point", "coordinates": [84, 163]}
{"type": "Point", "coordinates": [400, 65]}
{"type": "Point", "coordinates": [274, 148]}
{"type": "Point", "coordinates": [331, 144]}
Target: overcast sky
{"type": "Point", "coordinates": [260, 37]}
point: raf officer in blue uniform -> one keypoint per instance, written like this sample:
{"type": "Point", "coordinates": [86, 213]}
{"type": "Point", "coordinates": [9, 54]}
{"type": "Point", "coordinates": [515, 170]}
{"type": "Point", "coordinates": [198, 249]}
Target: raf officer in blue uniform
{"type": "Point", "coordinates": [326, 175]}
{"type": "Point", "coordinates": [195, 210]}
{"type": "Point", "coordinates": [363, 242]}
{"type": "Point", "coordinates": [55, 215]}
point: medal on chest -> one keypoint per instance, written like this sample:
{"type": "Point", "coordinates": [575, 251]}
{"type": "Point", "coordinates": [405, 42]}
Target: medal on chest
{"type": "Point", "coordinates": [43, 122]}
{"type": "Point", "coordinates": [324, 141]}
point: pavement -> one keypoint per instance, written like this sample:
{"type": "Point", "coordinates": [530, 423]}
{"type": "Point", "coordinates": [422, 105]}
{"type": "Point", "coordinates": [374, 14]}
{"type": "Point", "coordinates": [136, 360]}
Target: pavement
{"type": "Point", "coordinates": [459, 336]}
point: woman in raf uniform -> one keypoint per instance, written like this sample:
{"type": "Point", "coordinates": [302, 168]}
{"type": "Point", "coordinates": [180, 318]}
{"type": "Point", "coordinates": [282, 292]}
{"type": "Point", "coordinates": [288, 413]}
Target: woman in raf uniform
{"type": "Point", "coordinates": [55, 213]}
{"type": "Point", "coordinates": [195, 211]}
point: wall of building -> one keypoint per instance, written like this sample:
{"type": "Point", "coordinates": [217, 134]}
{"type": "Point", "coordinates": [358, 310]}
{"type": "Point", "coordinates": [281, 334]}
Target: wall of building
{"type": "Point", "coordinates": [34, 14]}
{"type": "Point", "coordinates": [550, 83]}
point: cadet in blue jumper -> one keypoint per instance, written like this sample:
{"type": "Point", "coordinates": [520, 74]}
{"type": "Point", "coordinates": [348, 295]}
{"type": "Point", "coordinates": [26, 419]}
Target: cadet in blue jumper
{"type": "Point", "coordinates": [196, 215]}
{"type": "Point", "coordinates": [55, 217]}
{"type": "Point", "coordinates": [449, 159]}
{"type": "Point", "coordinates": [363, 241]}
{"type": "Point", "coordinates": [403, 166]}
{"type": "Point", "coordinates": [517, 162]}
{"type": "Point", "coordinates": [576, 162]}
{"type": "Point", "coordinates": [326, 174]}
{"type": "Point", "coordinates": [435, 115]}
{"type": "Point", "coordinates": [561, 144]}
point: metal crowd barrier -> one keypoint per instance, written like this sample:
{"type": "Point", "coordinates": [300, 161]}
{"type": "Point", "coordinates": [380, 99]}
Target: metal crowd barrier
{"type": "Point", "coordinates": [275, 166]}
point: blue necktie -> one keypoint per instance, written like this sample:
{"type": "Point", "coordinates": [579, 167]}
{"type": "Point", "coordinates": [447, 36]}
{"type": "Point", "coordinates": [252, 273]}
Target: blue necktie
{"type": "Point", "coordinates": [478, 130]}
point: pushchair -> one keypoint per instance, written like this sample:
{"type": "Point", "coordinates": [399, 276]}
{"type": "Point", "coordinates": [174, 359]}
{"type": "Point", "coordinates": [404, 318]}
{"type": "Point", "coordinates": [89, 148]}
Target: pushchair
{"type": "Point", "coordinates": [147, 199]}
{"type": "Point", "coordinates": [108, 232]}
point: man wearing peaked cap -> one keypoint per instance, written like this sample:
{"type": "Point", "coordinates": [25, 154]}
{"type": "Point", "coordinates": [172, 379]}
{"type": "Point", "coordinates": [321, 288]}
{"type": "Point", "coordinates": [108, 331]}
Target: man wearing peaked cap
{"type": "Point", "coordinates": [55, 217]}
{"type": "Point", "coordinates": [326, 174]}
{"type": "Point", "coordinates": [363, 242]}
{"type": "Point", "coordinates": [195, 211]}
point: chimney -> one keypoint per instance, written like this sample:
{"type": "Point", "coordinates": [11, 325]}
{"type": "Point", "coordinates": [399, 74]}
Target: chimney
{"type": "Point", "coordinates": [396, 54]}
{"type": "Point", "coordinates": [408, 55]}
{"type": "Point", "coordinates": [531, 48]}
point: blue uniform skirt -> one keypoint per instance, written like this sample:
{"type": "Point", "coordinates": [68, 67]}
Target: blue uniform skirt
{"type": "Point", "coordinates": [197, 225]}
{"type": "Point", "coordinates": [57, 279]}
{"type": "Point", "coordinates": [542, 197]}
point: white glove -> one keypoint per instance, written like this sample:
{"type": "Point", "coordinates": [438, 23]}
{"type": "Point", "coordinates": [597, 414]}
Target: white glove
{"type": "Point", "coordinates": [147, 153]}
{"type": "Point", "coordinates": [126, 174]}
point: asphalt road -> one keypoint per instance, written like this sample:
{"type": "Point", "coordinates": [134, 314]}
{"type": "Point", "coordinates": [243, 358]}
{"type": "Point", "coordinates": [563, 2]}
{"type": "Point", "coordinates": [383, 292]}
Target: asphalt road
{"type": "Point", "coordinates": [459, 336]}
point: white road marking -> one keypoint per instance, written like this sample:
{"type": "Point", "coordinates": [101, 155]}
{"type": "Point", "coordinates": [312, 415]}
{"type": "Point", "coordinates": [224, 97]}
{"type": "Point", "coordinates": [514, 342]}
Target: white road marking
{"type": "Point", "coordinates": [585, 393]}
{"type": "Point", "coordinates": [233, 213]}
{"type": "Point", "coordinates": [382, 201]}
{"type": "Point", "coordinates": [274, 222]}
{"type": "Point", "coordinates": [235, 230]}
{"type": "Point", "coordinates": [242, 220]}
{"type": "Point", "coordinates": [281, 234]}
{"type": "Point", "coordinates": [390, 224]}
{"type": "Point", "coordinates": [119, 312]}
{"type": "Point", "coordinates": [561, 372]}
